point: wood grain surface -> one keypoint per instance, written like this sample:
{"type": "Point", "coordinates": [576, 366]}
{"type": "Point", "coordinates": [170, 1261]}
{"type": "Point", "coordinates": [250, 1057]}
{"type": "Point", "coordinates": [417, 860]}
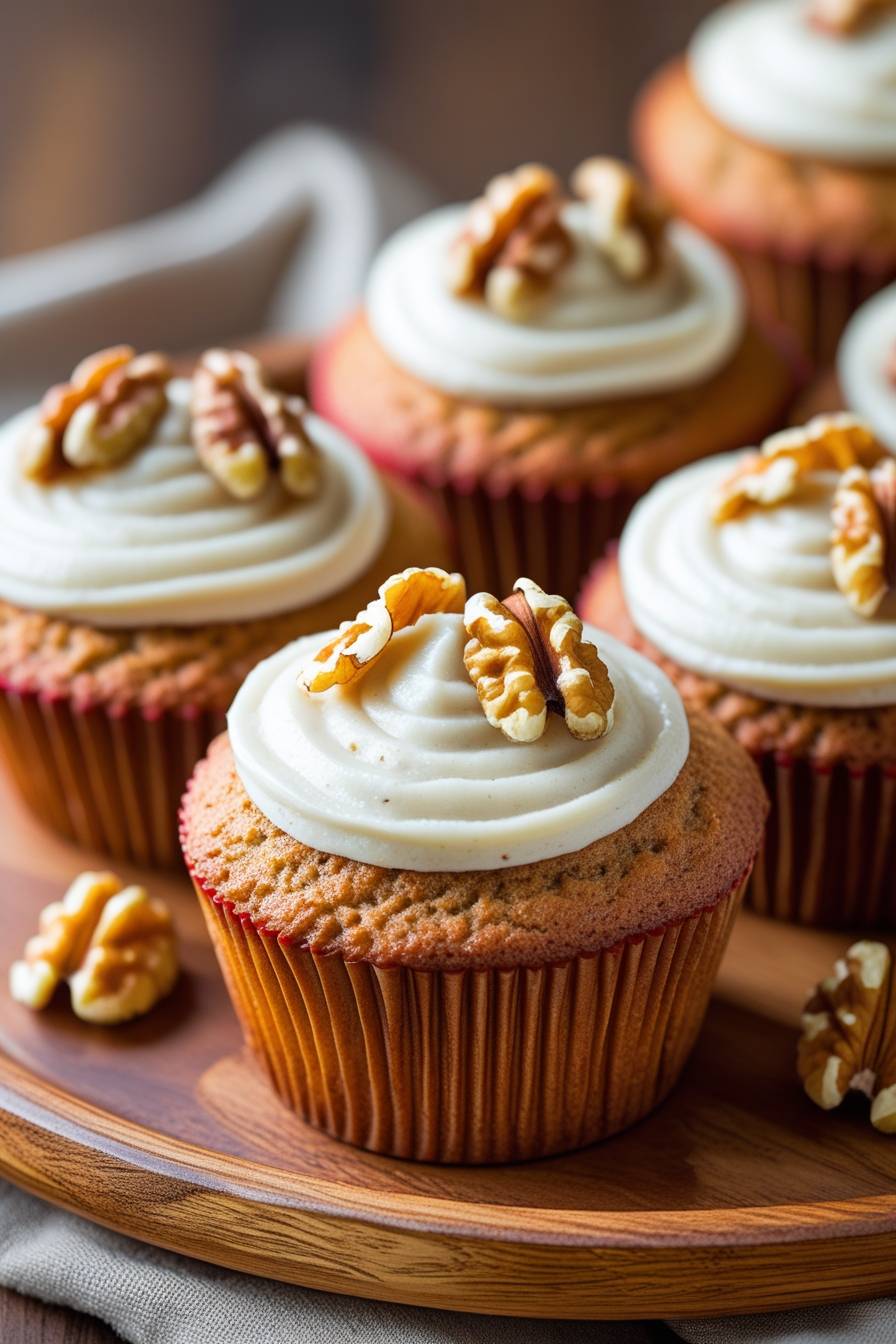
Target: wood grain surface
{"type": "Point", "coordinates": [736, 1195]}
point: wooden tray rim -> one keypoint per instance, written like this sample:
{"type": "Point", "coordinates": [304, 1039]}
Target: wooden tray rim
{"type": "Point", "coordinates": [80, 1124]}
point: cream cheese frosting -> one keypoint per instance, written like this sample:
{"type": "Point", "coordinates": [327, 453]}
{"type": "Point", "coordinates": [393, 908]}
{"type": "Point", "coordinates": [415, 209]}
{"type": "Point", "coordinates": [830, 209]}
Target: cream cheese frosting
{"type": "Point", "coordinates": [752, 602]}
{"type": "Point", "coordinates": [158, 541]}
{"type": "Point", "coordinates": [766, 72]}
{"type": "Point", "coordinates": [401, 768]}
{"type": "Point", "coordinates": [596, 335]}
{"type": "Point", "coordinates": [864, 359]}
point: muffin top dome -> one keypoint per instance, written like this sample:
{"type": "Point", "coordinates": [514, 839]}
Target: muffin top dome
{"type": "Point", "coordinates": [779, 72]}
{"type": "Point", "coordinates": [601, 320]}
{"type": "Point", "coordinates": [754, 600]}
{"type": "Point", "coordinates": [156, 538]}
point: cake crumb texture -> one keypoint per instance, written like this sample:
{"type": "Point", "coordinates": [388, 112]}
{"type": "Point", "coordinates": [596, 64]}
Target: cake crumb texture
{"type": "Point", "coordinates": [682, 854]}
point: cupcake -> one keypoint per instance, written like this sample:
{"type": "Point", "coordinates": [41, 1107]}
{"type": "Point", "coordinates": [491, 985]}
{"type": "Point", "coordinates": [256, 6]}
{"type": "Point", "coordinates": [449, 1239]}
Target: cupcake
{"type": "Point", "coordinates": [764, 585]}
{"type": "Point", "coordinates": [539, 361]}
{"type": "Point", "coordinates": [457, 925]}
{"type": "Point", "coordinates": [160, 536]}
{"type": "Point", "coordinates": [777, 137]}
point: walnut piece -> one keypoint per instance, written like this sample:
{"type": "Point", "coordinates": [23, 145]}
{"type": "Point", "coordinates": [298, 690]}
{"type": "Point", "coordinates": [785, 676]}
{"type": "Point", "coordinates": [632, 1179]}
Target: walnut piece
{"type": "Point", "coordinates": [628, 220]}
{"type": "Point", "coordinates": [357, 645]}
{"type": "Point", "coordinates": [526, 655]}
{"type": "Point", "coordinates": [513, 242]}
{"type": "Point", "coordinates": [863, 541]}
{"type": "Point", "coordinates": [843, 17]}
{"type": "Point", "coordinates": [848, 1039]}
{"type": "Point", "coordinates": [244, 430]}
{"type": "Point", "coordinates": [764, 479]}
{"type": "Point", "coordinates": [101, 416]}
{"type": "Point", "coordinates": [114, 944]}
{"type": "Point", "coordinates": [526, 265]}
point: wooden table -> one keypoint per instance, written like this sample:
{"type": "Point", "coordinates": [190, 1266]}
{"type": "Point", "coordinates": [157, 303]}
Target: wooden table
{"type": "Point", "coordinates": [24, 1321]}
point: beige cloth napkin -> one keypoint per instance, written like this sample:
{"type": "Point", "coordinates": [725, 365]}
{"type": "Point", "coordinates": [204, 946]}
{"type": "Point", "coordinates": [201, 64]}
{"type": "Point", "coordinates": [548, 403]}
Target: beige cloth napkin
{"type": "Point", "coordinates": [281, 242]}
{"type": "Point", "coordinates": [153, 1297]}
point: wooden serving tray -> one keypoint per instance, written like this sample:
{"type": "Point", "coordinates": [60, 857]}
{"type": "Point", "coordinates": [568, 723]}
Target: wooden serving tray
{"type": "Point", "coordinates": [737, 1195]}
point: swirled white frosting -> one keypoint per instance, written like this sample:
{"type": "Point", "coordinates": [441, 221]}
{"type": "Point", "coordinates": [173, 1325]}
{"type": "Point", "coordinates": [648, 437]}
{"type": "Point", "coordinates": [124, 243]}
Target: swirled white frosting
{"type": "Point", "coordinates": [752, 602]}
{"type": "Point", "coordinates": [765, 71]}
{"type": "Point", "coordinates": [402, 770]}
{"type": "Point", "coordinates": [158, 541]}
{"type": "Point", "coordinates": [594, 336]}
{"type": "Point", "coordinates": [864, 358]}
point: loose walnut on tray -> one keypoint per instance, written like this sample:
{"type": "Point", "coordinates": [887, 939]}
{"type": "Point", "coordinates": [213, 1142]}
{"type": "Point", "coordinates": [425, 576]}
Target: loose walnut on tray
{"type": "Point", "coordinates": [114, 944]}
{"type": "Point", "coordinates": [849, 1034]}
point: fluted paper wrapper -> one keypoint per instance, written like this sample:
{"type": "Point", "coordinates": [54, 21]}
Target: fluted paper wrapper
{"type": "Point", "coordinates": [550, 536]}
{"type": "Point", "coordinates": [812, 299]}
{"type": "Point", "coordinates": [108, 780]}
{"type": "Point", "coordinates": [829, 857]}
{"type": "Point", "coordinates": [478, 1065]}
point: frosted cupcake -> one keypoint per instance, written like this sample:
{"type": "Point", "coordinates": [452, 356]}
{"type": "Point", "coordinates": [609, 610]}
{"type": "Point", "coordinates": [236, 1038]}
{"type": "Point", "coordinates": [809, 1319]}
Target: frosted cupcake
{"type": "Point", "coordinates": [777, 136]}
{"type": "Point", "coordinates": [764, 585]}
{"type": "Point", "coordinates": [457, 925]}
{"type": "Point", "coordinates": [539, 361]}
{"type": "Point", "coordinates": [160, 536]}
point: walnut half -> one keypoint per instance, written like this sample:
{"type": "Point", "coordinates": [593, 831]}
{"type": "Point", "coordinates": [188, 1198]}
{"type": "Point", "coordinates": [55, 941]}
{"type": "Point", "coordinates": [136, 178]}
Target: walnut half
{"type": "Point", "coordinates": [848, 1040]}
{"type": "Point", "coordinates": [244, 429]}
{"type": "Point", "coordinates": [844, 17]}
{"type": "Point", "coordinates": [102, 415]}
{"type": "Point", "coordinates": [114, 944]}
{"type": "Point", "coordinates": [526, 655]}
{"type": "Point", "coordinates": [628, 220]}
{"type": "Point", "coordinates": [513, 242]}
{"type": "Point", "coordinates": [358, 643]}
{"type": "Point", "coordinates": [863, 542]}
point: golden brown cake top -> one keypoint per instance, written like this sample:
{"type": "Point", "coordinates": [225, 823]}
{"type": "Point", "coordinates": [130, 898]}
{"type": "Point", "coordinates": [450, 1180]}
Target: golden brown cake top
{"type": "Point", "coordinates": [796, 206]}
{"type": "Point", "coordinates": [623, 442]}
{"type": "Point", "coordinates": [682, 853]}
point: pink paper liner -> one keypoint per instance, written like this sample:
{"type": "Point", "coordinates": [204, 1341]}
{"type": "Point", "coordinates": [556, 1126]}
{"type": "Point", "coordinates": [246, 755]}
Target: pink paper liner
{"type": "Point", "coordinates": [107, 779]}
{"type": "Point", "coordinates": [829, 857]}
{"type": "Point", "coordinates": [812, 298]}
{"type": "Point", "coordinates": [471, 1066]}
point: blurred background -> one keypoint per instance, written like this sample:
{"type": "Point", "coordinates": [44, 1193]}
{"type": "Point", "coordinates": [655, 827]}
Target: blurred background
{"type": "Point", "coordinates": [111, 111]}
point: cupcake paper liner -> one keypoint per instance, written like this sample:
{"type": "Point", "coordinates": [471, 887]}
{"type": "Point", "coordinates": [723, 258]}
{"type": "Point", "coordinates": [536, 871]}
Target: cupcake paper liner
{"type": "Point", "coordinates": [811, 298]}
{"type": "Point", "coordinates": [829, 856]}
{"type": "Point", "coordinates": [548, 536]}
{"type": "Point", "coordinates": [472, 1066]}
{"type": "Point", "coordinates": [106, 779]}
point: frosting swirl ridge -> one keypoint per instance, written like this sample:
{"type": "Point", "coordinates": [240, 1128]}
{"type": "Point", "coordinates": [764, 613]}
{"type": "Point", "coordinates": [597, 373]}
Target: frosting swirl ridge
{"type": "Point", "coordinates": [594, 336]}
{"type": "Point", "coordinates": [752, 602]}
{"type": "Point", "coordinates": [157, 540]}
{"type": "Point", "coordinates": [766, 72]}
{"type": "Point", "coordinates": [864, 364]}
{"type": "Point", "coordinates": [401, 768]}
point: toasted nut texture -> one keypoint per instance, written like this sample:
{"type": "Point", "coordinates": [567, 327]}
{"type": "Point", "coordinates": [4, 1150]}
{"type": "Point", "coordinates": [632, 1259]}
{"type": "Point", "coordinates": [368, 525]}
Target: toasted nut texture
{"type": "Point", "coordinates": [827, 443]}
{"type": "Point", "coordinates": [628, 220]}
{"type": "Point", "coordinates": [115, 946]}
{"type": "Point", "coordinates": [513, 242]}
{"type": "Point", "coordinates": [402, 600]}
{"type": "Point", "coordinates": [526, 655]}
{"type": "Point", "coordinates": [843, 17]}
{"type": "Point", "coordinates": [100, 417]}
{"type": "Point", "coordinates": [848, 1040]}
{"type": "Point", "coordinates": [245, 431]}
{"type": "Point", "coordinates": [529, 261]}
{"type": "Point", "coordinates": [864, 535]}
{"type": "Point", "coordinates": [501, 662]}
